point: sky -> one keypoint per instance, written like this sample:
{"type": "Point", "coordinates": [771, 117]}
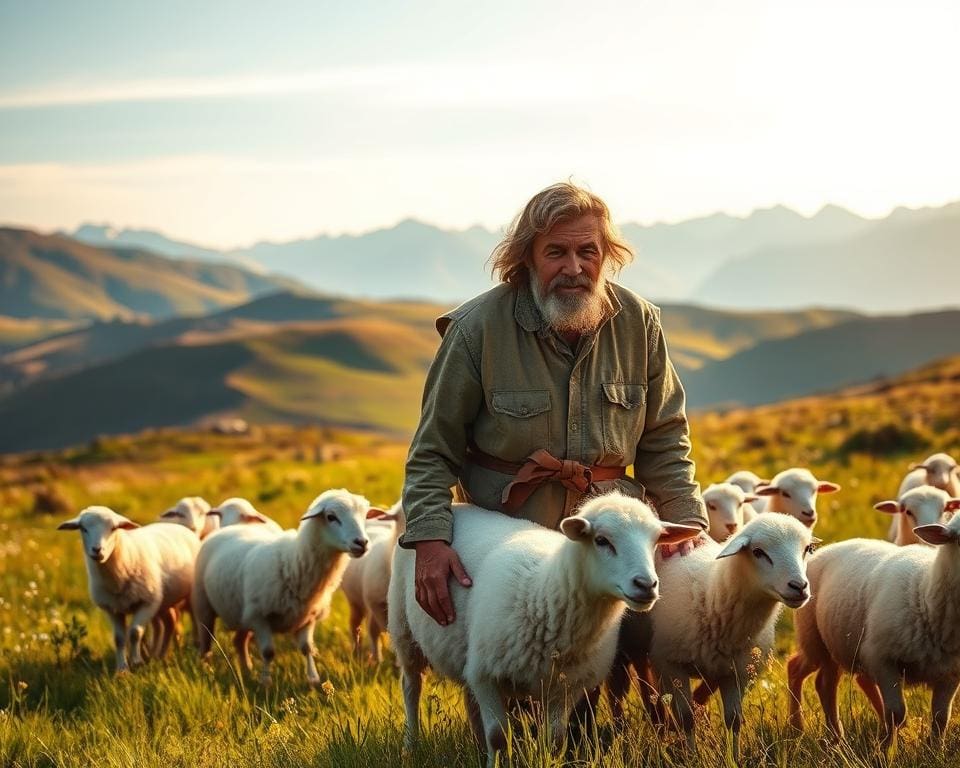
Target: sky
{"type": "Point", "coordinates": [230, 123]}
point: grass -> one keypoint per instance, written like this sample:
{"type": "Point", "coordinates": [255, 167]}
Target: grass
{"type": "Point", "coordinates": [61, 705]}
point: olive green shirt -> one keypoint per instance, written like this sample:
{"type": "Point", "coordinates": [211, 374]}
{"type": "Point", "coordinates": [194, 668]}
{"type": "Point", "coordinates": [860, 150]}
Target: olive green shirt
{"type": "Point", "coordinates": [504, 379]}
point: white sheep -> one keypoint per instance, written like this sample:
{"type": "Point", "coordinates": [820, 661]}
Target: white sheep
{"type": "Point", "coordinates": [239, 511]}
{"type": "Point", "coordinates": [261, 582]}
{"type": "Point", "coordinates": [718, 604]}
{"type": "Point", "coordinates": [367, 578]}
{"type": "Point", "coordinates": [191, 512]}
{"type": "Point", "coordinates": [938, 470]}
{"type": "Point", "coordinates": [133, 570]}
{"type": "Point", "coordinates": [726, 508]}
{"type": "Point", "coordinates": [917, 507]}
{"type": "Point", "coordinates": [794, 492]}
{"type": "Point", "coordinates": [887, 614]}
{"type": "Point", "coordinates": [749, 482]}
{"type": "Point", "coordinates": [541, 617]}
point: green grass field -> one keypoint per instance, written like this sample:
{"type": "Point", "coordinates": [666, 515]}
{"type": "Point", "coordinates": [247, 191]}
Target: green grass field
{"type": "Point", "coordinates": [61, 705]}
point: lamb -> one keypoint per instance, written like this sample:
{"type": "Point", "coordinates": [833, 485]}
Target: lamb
{"type": "Point", "coordinates": [366, 579]}
{"type": "Point", "coordinates": [888, 615]}
{"type": "Point", "coordinates": [541, 617]}
{"type": "Point", "coordinates": [719, 604]}
{"type": "Point", "coordinates": [917, 507]}
{"type": "Point", "coordinates": [261, 582]}
{"type": "Point", "coordinates": [794, 492]}
{"type": "Point", "coordinates": [192, 512]}
{"type": "Point", "coordinates": [133, 570]}
{"type": "Point", "coordinates": [749, 482]}
{"type": "Point", "coordinates": [726, 509]}
{"type": "Point", "coordinates": [237, 511]}
{"type": "Point", "coordinates": [938, 470]}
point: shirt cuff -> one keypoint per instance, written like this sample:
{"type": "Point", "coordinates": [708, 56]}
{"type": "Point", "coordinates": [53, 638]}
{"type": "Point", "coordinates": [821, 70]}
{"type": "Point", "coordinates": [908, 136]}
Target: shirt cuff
{"type": "Point", "coordinates": [431, 528]}
{"type": "Point", "coordinates": [684, 511]}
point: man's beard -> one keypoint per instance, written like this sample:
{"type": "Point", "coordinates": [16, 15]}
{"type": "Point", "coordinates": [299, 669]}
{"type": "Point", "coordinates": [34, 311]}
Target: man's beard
{"type": "Point", "coordinates": [570, 312]}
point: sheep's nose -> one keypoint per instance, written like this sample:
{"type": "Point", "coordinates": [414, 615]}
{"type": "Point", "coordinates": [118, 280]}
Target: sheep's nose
{"type": "Point", "coordinates": [641, 583]}
{"type": "Point", "coordinates": [360, 545]}
{"type": "Point", "coordinates": [96, 552]}
{"type": "Point", "coordinates": [799, 586]}
{"type": "Point", "coordinates": [807, 512]}
{"type": "Point", "coordinates": [731, 527]}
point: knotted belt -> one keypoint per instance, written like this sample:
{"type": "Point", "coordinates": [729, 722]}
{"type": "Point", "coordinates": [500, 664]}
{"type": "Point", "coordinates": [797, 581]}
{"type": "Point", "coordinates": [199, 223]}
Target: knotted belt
{"type": "Point", "coordinates": [541, 467]}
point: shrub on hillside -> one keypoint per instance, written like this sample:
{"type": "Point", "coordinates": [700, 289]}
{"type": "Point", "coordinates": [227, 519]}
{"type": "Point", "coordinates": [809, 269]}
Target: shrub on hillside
{"type": "Point", "coordinates": [882, 440]}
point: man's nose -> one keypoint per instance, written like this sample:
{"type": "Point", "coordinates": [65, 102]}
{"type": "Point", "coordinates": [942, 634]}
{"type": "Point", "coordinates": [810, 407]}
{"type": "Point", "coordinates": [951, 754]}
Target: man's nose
{"type": "Point", "coordinates": [571, 264]}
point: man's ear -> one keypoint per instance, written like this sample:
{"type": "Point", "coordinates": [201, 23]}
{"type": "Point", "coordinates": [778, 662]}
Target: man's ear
{"type": "Point", "coordinates": [575, 528]}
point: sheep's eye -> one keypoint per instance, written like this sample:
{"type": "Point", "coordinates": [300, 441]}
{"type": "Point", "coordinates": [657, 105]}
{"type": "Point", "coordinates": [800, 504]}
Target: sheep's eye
{"type": "Point", "coordinates": [332, 517]}
{"type": "Point", "coordinates": [603, 541]}
{"type": "Point", "coordinates": [711, 506]}
{"type": "Point", "coordinates": [908, 513]}
{"type": "Point", "coordinates": [785, 494]}
{"type": "Point", "coordinates": [82, 529]}
{"type": "Point", "coordinates": [759, 553]}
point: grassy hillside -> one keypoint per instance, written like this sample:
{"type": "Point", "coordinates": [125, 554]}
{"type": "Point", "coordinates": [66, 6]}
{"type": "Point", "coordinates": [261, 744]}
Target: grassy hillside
{"type": "Point", "coordinates": [60, 705]}
{"type": "Point", "coordinates": [18, 331]}
{"type": "Point", "coordinates": [52, 276]}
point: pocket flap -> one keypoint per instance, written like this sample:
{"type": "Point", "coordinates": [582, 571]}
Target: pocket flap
{"type": "Point", "coordinates": [626, 395]}
{"type": "Point", "coordinates": [522, 405]}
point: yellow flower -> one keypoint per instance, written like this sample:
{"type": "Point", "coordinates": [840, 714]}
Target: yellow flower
{"type": "Point", "coordinates": [22, 685]}
{"type": "Point", "coordinates": [327, 688]}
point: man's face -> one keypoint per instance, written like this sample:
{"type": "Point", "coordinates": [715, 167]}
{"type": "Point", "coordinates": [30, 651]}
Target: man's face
{"type": "Point", "coordinates": [566, 275]}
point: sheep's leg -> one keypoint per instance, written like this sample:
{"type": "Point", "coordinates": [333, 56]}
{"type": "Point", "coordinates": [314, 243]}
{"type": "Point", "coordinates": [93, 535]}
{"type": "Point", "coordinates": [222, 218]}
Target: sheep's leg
{"type": "Point", "coordinates": [942, 703]}
{"type": "Point", "coordinates": [732, 698]}
{"type": "Point", "coordinates": [138, 624]}
{"type": "Point", "coordinates": [119, 622]}
{"type": "Point", "coordinates": [357, 615]}
{"type": "Point", "coordinates": [264, 636]}
{"type": "Point", "coordinates": [305, 643]}
{"type": "Point", "coordinates": [618, 686]}
{"type": "Point", "coordinates": [411, 680]}
{"type": "Point", "coordinates": [799, 668]}
{"type": "Point", "coordinates": [649, 690]}
{"type": "Point", "coordinates": [494, 715]}
{"type": "Point", "coordinates": [204, 619]}
{"type": "Point", "coordinates": [473, 716]}
{"type": "Point", "coordinates": [374, 630]}
{"type": "Point", "coordinates": [168, 623]}
{"type": "Point", "coordinates": [894, 708]}
{"type": "Point", "coordinates": [872, 693]}
{"type": "Point", "coordinates": [827, 680]}
{"type": "Point", "coordinates": [241, 643]}
{"type": "Point", "coordinates": [674, 681]}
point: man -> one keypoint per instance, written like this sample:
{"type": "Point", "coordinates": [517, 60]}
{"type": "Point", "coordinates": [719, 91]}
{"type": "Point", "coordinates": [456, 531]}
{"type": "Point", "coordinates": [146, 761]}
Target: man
{"type": "Point", "coordinates": [545, 388]}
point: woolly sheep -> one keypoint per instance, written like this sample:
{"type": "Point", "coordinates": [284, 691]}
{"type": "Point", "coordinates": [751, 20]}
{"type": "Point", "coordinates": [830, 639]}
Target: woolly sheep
{"type": "Point", "coordinates": [938, 470]}
{"type": "Point", "coordinates": [749, 482]}
{"type": "Point", "coordinates": [542, 614]}
{"type": "Point", "coordinates": [192, 512]}
{"type": "Point", "coordinates": [261, 582]}
{"type": "Point", "coordinates": [133, 570]}
{"type": "Point", "coordinates": [720, 603]}
{"type": "Point", "coordinates": [794, 492]}
{"type": "Point", "coordinates": [887, 614]}
{"type": "Point", "coordinates": [917, 507]}
{"type": "Point", "coordinates": [726, 507]}
{"type": "Point", "coordinates": [239, 511]}
{"type": "Point", "coordinates": [367, 578]}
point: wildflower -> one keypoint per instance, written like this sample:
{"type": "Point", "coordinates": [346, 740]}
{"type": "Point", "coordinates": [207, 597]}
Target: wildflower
{"type": "Point", "coordinates": [22, 685]}
{"type": "Point", "coordinates": [666, 699]}
{"type": "Point", "coordinates": [327, 688]}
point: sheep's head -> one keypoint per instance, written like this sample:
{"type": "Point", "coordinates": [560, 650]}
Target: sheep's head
{"type": "Point", "coordinates": [190, 512]}
{"type": "Point", "coordinates": [725, 509]}
{"type": "Point", "coordinates": [98, 528]}
{"type": "Point", "coordinates": [746, 480]}
{"type": "Point", "coordinates": [776, 546]}
{"type": "Point", "coordinates": [940, 468]}
{"type": "Point", "coordinates": [940, 533]}
{"type": "Point", "coordinates": [921, 506]}
{"type": "Point", "coordinates": [340, 519]}
{"type": "Point", "coordinates": [794, 492]}
{"type": "Point", "coordinates": [237, 511]}
{"type": "Point", "coordinates": [620, 535]}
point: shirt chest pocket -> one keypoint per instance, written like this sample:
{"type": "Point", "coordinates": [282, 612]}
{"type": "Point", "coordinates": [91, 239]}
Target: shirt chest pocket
{"type": "Point", "coordinates": [624, 413]}
{"type": "Point", "coordinates": [522, 420]}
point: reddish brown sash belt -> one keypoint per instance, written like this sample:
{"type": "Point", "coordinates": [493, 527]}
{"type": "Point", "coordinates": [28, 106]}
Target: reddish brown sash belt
{"type": "Point", "coordinates": [541, 467]}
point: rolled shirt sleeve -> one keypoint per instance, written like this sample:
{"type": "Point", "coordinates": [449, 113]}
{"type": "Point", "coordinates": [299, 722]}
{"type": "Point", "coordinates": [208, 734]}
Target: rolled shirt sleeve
{"type": "Point", "coordinates": [663, 462]}
{"type": "Point", "coordinates": [452, 397]}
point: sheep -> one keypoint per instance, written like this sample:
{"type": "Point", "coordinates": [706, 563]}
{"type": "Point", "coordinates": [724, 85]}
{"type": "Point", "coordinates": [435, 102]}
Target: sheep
{"type": "Point", "coordinates": [261, 582]}
{"type": "Point", "coordinates": [938, 470]}
{"type": "Point", "coordinates": [917, 507]}
{"type": "Point", "coordinates": [888, 615]}
{"type": "Point", "coordinates": [366, 579]}
{"type": "Point", "coordinates": [541, 617]}
{"type": "Point", "coordinates": [794, 492]}
{"type": "Point", "coordinates": [726, 508]}
{"type": "Point", "coordinates": [236, 511]}
{"type": "Point", "coordinates": [133, 570]}
{"type": "Point", "coordinates": [190, 512]}
{"type": "Point", "coordinates": [719, 604]}
{"type": "Point", "coordinates": [749, 482]}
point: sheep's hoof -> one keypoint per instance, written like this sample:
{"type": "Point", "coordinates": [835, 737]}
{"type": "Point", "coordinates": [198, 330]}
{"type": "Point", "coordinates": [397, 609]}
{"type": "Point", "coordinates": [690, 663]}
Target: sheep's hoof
{"type": "Point", "coordinates": [122, 672]}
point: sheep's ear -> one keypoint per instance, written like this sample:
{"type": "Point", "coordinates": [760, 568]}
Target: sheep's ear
{"type": "Point", "coordinates": [952, 504]}
{"type": "Point", "coordinates": [255, 517]}
{"type": "Point", "coordinates": [735, 545]}
{"type": "Point", "coordinates": [766, 490]}
{"type": "Point", "coordinates": [575, 528]}
{"type": "Point", "coordinates": [935, 533]}
{"type": "Point", "coordinates": [890, 507]}
{"type": "Point", "coordinates": [215, 512]}
{"type": "Point", "coordinates": [825, 487]}
{"type": "Point", "coordinates": [126, 524]}
{"type": "Point", "coordinates": [171, 513]}
{"type": "Point", "coordinates": [673, 533]}
{"type": "Point", "coordinates": [69, 525]}
{"type": "Point", "coordinates": [375, 513]}
{"type": "Point", "coordinates": [750, 497]}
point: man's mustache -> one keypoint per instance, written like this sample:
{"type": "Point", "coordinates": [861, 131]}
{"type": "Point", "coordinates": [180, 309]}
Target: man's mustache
{"type": "Point", "coordinates": [570, 281]}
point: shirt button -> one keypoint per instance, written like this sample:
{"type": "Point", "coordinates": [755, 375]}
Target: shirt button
{"type": "Point", "coordinates": [573, 427]}
{"type": "Point", "coordinates": [523, 410]}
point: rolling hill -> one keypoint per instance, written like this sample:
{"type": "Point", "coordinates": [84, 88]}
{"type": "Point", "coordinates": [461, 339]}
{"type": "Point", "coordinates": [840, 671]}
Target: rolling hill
{"type": "Point", "coordinates": [53, 277]}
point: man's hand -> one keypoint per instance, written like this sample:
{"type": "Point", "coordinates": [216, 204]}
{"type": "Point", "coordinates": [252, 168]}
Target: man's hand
{"type": "Point", "coordinates": [436, 560]}
{"type": "Point", "coordinates": [684, 547]}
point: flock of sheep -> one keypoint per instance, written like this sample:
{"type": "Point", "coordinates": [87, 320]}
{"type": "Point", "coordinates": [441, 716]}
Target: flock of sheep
{"type": "Point", "coordinates": [546, 614]}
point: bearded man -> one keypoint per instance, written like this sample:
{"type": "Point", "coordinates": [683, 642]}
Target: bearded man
{"type": "Point", "coordinates": [545, 388]}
